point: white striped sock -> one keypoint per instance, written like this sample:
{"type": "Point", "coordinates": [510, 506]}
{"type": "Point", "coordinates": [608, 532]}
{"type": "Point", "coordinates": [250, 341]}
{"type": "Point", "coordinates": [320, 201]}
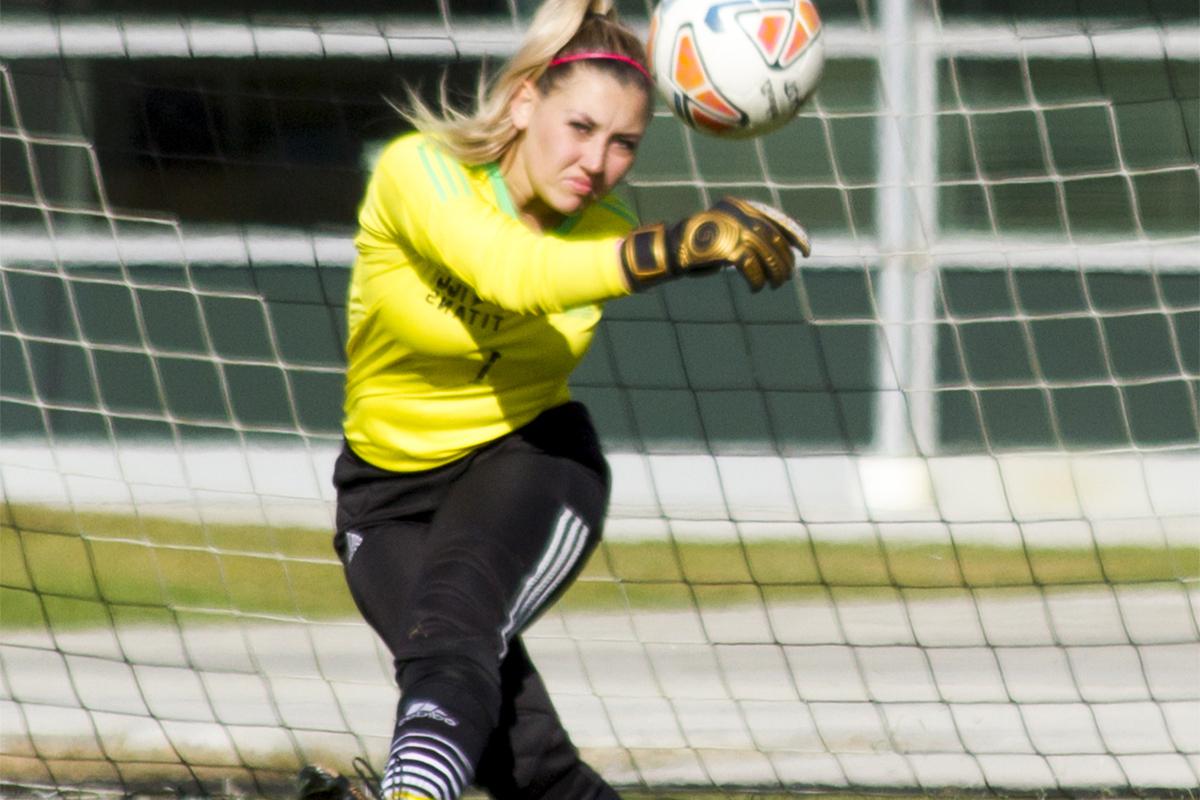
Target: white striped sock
{"type": "Point", "coordinates": [427, 766]}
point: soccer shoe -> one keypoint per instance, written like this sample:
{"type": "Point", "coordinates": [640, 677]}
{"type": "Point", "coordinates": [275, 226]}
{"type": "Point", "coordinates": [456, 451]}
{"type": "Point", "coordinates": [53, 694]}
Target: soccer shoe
{"type": "Point", "coordinates": [317, 783]}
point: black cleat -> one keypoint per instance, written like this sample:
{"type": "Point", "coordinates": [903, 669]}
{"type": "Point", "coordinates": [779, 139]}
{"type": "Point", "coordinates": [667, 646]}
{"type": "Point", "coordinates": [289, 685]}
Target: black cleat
{"type": "Point", "coordinates": [317, 783]}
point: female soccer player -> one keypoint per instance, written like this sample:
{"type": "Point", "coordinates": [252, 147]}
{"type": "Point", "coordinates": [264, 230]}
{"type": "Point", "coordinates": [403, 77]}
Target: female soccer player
{"type": "Point", "coordinates": [471, 489]}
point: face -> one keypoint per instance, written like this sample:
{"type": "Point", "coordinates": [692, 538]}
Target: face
{"type": "Point", "coordinates": [576, 142]}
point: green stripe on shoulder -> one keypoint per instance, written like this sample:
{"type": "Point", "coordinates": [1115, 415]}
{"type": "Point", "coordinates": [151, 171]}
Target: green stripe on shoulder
{"type": "Point", "coordinates": [456, 179]}
{"type": "Point", "coordinates": [423, 152]}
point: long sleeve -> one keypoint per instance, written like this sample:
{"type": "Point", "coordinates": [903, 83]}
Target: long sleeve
{"type": "Point", "coordinates": [420, 198]}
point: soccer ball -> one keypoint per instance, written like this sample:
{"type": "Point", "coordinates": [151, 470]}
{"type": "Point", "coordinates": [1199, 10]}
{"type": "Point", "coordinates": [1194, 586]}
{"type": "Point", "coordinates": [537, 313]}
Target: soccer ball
{"type": "Point", "coordinates": [736, 68]}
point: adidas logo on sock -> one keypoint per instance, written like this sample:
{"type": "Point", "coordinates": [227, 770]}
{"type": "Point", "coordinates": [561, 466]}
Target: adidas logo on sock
{"type": "Point", "coordinates": [424, 709]}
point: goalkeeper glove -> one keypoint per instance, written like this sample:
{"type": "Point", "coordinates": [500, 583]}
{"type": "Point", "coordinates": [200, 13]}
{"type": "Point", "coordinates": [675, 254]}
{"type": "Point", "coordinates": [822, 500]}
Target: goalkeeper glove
{"type": "Point", "coordinates": [754, 238]}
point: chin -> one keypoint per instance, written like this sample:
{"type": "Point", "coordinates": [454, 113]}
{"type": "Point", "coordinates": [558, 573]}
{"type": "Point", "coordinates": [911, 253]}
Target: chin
{"type": "Point", "coordinates": [572, 204]}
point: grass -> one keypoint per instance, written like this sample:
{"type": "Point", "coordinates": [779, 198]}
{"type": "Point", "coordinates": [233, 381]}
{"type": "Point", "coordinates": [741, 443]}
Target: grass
{"type": "Point", "coordinates": [98, 779]}
{"type": "Point", "coordinates": [77, 569]}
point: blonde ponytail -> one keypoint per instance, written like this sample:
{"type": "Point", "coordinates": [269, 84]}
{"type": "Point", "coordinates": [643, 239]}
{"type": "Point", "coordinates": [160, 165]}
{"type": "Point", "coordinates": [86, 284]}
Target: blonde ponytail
{"type": "Point", "coordinates": [558, 28]}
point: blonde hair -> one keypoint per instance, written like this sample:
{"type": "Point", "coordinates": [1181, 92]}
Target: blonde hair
{"type": "Point", "coordinates": [559, 28]}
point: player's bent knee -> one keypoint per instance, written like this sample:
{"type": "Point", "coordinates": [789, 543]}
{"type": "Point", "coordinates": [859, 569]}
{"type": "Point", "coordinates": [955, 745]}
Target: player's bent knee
{"type": "Point", "coordinates": [581, 783]}
{"type": "Point", "coordinates": [578, 781]}
{"type": "Point", "coordinates": [539, 762]}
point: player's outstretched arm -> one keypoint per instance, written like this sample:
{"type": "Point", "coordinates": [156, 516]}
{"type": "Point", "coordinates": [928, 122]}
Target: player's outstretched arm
{"type": "Point", "coordinates": [752, 237]}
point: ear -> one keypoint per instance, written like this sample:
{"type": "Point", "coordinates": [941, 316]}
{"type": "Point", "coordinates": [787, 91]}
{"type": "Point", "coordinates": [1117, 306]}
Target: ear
{"type": "Point", "coordinates": [520, 108]}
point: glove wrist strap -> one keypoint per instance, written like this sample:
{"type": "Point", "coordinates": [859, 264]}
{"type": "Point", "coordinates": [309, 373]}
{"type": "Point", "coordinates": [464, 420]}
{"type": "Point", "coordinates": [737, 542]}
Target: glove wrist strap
{"type": "Point", "coordinates": [644, 256]}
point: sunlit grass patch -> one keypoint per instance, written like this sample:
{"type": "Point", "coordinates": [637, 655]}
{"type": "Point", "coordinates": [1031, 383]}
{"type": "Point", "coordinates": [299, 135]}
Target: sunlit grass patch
{"type": "Point", "coordinates": [73, 569]}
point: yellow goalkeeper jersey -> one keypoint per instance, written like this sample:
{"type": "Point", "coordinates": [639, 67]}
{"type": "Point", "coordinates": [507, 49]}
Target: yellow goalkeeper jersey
{"type": "Point", "coordinates": [464, 324]}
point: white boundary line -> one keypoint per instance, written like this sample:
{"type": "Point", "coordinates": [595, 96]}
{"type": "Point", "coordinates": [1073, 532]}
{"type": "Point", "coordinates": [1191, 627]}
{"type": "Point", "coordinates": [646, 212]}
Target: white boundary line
{"type": "Point", "coordinates": [1068, 498]}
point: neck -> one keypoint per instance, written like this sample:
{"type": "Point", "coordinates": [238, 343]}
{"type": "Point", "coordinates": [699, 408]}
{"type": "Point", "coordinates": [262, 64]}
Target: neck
{"type": "Point", "coordinates": [531, 209]}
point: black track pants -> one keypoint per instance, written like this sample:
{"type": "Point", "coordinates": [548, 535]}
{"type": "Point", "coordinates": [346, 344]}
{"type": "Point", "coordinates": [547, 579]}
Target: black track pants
{"type": "Point", "coordinates": [449, 566]}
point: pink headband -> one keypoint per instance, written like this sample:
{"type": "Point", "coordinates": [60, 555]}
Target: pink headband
{"type": "Point", "coordinates": [600, 54]}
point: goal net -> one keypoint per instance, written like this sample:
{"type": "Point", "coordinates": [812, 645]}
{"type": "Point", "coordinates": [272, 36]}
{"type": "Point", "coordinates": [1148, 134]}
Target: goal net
{"type": "Point", "coordinates": [925, 520]}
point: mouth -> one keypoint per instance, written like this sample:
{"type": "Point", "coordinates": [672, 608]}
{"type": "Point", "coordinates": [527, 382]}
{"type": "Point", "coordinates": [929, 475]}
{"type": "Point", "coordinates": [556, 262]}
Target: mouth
{"type": "Point", "coordinates": [581, 186]}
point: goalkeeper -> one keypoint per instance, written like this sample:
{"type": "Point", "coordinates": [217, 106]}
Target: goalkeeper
{"type": "Point", "coordinates": [471, 489]}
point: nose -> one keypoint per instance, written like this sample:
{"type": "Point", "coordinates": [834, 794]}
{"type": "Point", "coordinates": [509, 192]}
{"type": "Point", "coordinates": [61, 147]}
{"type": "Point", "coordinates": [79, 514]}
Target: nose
{"type": "Point", "coordinates": [594, 153]}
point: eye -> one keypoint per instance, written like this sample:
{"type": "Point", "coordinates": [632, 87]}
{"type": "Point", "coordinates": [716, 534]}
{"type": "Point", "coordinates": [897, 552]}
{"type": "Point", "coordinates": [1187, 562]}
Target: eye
{"type": "Point", "coordinates": [627, 144]}
{"type": "Point", "coordinates": [580, 126]}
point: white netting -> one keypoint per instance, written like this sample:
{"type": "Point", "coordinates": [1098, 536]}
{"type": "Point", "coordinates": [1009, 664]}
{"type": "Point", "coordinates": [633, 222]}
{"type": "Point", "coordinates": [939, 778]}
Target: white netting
{"type": "Point", "coordinates": [927, 521]}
